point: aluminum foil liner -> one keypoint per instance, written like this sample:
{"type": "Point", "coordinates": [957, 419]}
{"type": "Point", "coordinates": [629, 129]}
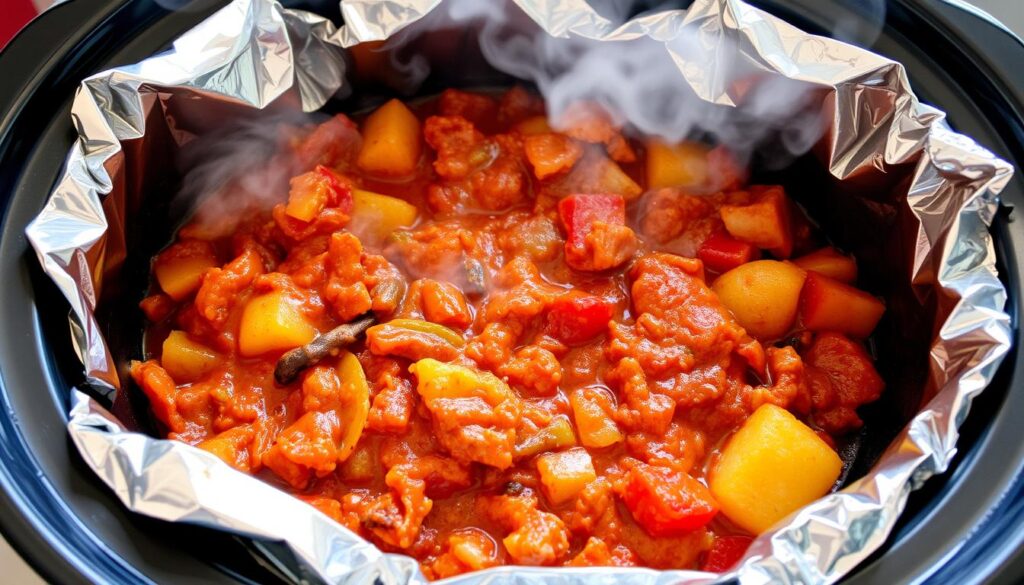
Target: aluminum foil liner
{"type": "Point", "coordinates": [255, 55]}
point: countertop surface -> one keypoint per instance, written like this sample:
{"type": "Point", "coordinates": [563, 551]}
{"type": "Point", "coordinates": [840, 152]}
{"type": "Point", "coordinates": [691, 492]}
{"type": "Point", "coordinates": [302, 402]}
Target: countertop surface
{"type": "Point", "coordinates": [15, 571]}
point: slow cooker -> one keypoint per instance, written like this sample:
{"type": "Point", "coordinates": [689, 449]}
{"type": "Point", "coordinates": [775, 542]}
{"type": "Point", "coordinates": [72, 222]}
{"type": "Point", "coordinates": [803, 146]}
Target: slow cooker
{"type": "Point", "coordinates": [962, 527]}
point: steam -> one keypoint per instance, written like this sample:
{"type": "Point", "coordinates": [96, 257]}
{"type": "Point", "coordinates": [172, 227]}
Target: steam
{"type": "Point", "coordinates": [861, 30]}
{"type": "Point", "coordinates": [638, 81]}
{"type": "Point", "coordinates": [243, 169]}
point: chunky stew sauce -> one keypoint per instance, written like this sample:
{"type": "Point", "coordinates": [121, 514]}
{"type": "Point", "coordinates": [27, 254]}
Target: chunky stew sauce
{"type": "Point", "coordinates": [586, 348]}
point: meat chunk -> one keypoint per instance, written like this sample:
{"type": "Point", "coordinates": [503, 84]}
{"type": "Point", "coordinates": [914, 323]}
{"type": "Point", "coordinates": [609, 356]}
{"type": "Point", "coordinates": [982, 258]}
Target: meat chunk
{"type": "Point", "coordinates": [220, 290]}
{"type": "Point", "coordinates": [841, 377]}
{"type": "Point", "coordinates": [683, 339]}
{"type": "Point", "coordinates": [475, 414]}
{"type": "Point", "coordinates": [536, 537]}
{"type": "Point", "coordinates": [395, 518]}
{"type": "Point", "coordinates": [480, 110]}
{"type": "Point", "coordinates": [346, 291]}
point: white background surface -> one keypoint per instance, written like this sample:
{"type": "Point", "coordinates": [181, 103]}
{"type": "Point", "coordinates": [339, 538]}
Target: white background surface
{"type": "Point", "coordinates": [16, 572]}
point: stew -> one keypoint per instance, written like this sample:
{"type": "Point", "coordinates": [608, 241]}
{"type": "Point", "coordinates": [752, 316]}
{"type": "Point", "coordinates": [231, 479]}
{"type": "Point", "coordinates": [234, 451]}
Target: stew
{"type": "Point", "coordinates": [565, 346]}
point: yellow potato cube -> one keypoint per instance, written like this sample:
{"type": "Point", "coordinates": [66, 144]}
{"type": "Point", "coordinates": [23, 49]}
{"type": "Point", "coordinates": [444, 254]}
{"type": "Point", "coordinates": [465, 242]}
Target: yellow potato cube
{"type": "Point", "coordinates": [355, 408]}
{"type": "Point", "coordinates": [438, 380]}
{"type": "Point", "coordinates": [391, 141]}
{"type": "Point", "coordinates": [179, 269]}
{"type": "Point", "coordinates": [764, 223]}
{"type": "Point", "coordinates": [676, 165]}
{"type": "Point", "coordinates": [273, 322]}
{"type": "Point", "coordinates": [186, 360]}
{"type": "Point", "coordinates": [595, 425]}
{"type": "Point", "coordinates": [377, 216]}
{"type": "Point", "coordinates": [565, 474]}
{"type": "Point", "coordinates": [763, 296]}
{"type": "Point", "coordinates": [772, 466]}
{"type": "Point", "coordinates": [360, 465]}
{"type": "Point", "coordinates": [534, 125]}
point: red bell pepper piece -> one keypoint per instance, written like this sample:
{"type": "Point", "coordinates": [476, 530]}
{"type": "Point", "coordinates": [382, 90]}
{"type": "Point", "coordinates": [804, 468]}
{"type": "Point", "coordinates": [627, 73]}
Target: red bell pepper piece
{"type": "Point", "coordinates": [574, 320]}
{"type": "Point", "coordinates": [666, 502]}
{"type": "Point", "coordinates": [580, 211]}
{"type": "Point", "coordinates": [721, 253]}
{"type": "Point", "coordinates": [725, 552]}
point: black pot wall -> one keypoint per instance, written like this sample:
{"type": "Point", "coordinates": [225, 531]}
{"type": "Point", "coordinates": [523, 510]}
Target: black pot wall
{"type": "Point", "coordinates": [68, 525]}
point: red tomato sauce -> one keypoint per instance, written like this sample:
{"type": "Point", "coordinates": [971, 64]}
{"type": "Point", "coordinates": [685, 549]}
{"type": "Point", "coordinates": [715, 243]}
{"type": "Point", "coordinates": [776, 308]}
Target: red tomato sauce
{"type": "Point", "coordinates": [551, 373]}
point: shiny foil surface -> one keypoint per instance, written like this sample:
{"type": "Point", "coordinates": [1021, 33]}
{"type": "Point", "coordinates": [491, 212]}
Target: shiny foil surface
{"type": "Point", "coordinates": [255, 55]}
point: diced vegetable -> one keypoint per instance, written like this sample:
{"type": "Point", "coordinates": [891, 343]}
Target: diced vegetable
{"type": "Point", "coordinates": [551, 153]}
{"type": "Point", "coordinates": [273, 322]}
{"type": "Point", "coordinates": [186, 360]}
{"type": "Point", "coordinates": [580, 211]}
{"type": "Point", "coordinates": [427, 327]}
{"type": "Point", "coordinates": [725, 552]}
{"type": "Point", "coordinates": [534, 125]}
{"type": "Point", "coordinates": [473, 547]}
{"type": "Point", "coordinates": [772, 466]}
{"type": "Point", "coordinates": [829, 262]}
{"type": "Point", "coordinates": [577, 319]}
{"type": "Point", "coordinates": [721, 253]}
{"type": "Point", "coordinates": [565, 474]}
{"type": "Point", "coordinates": [355, 407]}
{"type": "Point", "coordinates": [764, 224]}
{"type": "Point", "coordinates": [591, 411]}
{"type": "Point", "coordinates": [763, 296]}
{"type": "Point", "coordinates": [157, 307]}
{"type": "Point", "coordinates": [557, 435]}
{"type": "Point", "coordinates": [439, 381]}
{"type": "Point", "coordinates": [666, 502]}
{"type": "Point", "coordinates": [378, 216]}
{"type": "Point", "coordinates": [414, 339]}
{"type": "Point", "coordinates": [179, 269]}
{"type": "Point", "coordinates": [391, 141]}
{"type": "Point", "coordinates": [596, 173]}
{"type": "Point", "coordinates": [610, 178]}
{"type": "Point", "coordinates": [231, 446]}
{"type": "Point", "coordinates": [311, 192]}
{"type": "Point", "coordinates": [676, 165]}
{"type": "Point", "coordinates": [360, 465]}
{"type": "Point", "coordinates": [829, 305]}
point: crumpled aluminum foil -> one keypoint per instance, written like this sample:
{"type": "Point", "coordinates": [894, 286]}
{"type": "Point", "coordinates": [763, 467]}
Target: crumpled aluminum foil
{"type": "Point", "coordinates": [254, 54]}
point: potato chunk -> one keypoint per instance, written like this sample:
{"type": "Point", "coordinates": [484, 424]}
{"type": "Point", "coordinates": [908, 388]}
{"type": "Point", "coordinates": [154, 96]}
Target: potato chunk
{"type": "Point", "coordinates": [186, 360]}
{"type": "Point", "coordinates": [391, 141]}
{"type": "Point", "coordinates": [591, 407]}
{"type": "Point", "coordinates": [533, 125]}
{"type": "Point", "coordinates": [831, 263]}
{"type": "Point", "coordinates": [765, 223]}
{"type": "Point", "coordinates": [829, 305]}
{"type": "Point", "coordinates": [763, 296]}
{"type": "Point", "coordinates": [565, 474]}
{"type": "Point", "coordinates": [378, 216]}
{"type": "Point", "coordinates": [772, 466]}
{"type": "Point", "coordinates": [676, 165]}
{"type": "Point", "coordinates": [179, 269]}
{"type": "Point", "coordinates": [273, 322]}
